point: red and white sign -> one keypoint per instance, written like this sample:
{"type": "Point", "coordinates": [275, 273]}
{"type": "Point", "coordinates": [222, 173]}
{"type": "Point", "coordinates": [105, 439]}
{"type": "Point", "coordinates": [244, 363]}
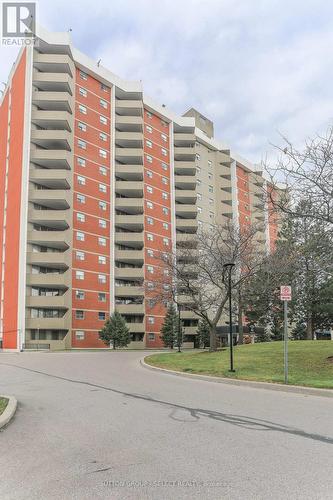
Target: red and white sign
{"type": "Point", "coordinates": [285, 292]}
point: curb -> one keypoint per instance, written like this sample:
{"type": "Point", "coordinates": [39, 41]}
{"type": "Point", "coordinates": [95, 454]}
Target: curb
{"type": "Point", "coordinates": [9, 412]}
{"type": "Point", "coordinates": [326, 393]}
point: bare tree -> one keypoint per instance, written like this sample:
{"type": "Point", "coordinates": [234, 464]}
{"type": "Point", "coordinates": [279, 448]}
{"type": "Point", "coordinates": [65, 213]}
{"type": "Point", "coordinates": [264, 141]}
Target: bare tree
{"type": "Point", "coordinates": [195, 277]}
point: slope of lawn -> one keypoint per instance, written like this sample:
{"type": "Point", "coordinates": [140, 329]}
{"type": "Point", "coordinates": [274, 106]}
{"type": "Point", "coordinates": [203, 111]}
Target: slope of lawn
{"type": "Point", "coordinates": [3, 404]}
{"type": "Point", "coordinates": [308, 362]}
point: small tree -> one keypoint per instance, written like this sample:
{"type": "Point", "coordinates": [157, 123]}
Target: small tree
{"type": "Point", "coordinates": [168, 330]}
{"type": "Point", "coordinates": [115, 331]}
{"type": "Point", "coordinates": [203, 333]}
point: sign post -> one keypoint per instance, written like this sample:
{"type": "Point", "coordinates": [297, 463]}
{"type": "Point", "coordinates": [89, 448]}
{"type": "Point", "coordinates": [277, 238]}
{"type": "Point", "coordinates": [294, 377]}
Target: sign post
{"type": "Point", "coordinates": [285, 296]}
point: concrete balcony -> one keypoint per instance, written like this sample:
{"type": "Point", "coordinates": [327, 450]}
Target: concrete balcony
{"type": "Point", "coordinates": [226, 196]}
{"type": "Point", "coordinates": [53, 82]}
{"type": "Point", "coordinates": [51, 158]}
{"type": "Point", "coordinates": [185, 196]}
{"type": "Point", "coordinates": [136, 327]}
{"type": "Point", "coordinates": [190, 330]}
{"type": "Point", "coordinates": [52, 139]}
{"type": "Point", "coordinates": [56, 239]}
{"type": "Point", "coordinates": [190, 225]}
{"type": "Point", "coordinates": [184, 153]}
{"type": "Point", "coordinates": [53, 101]}
{"type": "Point", "coordinates": [48, 323]}
{"type": "Point", "coordinates": [126, 107]}
{"type": "Point", "coordinates": [130, 205]}
{"type": "Point", "coordinates": [227, 210]}
{"type": "Point", "coordinates": [130, 238]}
{"type": "Point", "coordinates": [53, 63]}
{"type": "Point", "coordinates": [52, 120]}
{"type": "Point", "coordinates": [186, 238]}
{"type": "Point", "coordinates": [61, 259]}
{"type": "Point", "coordinates": [129, 188]}
{"type": "Point", "coordinates": [55, 218]}
{"type": "Point", "coordinates": [188, 315]}
{"type": "Point", "coordinates": [188, 211]}
{"type": "Point", "coordinates": [129, 291]}
{"type": "Point", "coordinates": [129, 155]}
{"type": "Point", "coordinates": [129, 272]}
{"type": "Point", "coordinates": [134, 222]}
{"type": "Point", "coordinates": [40, 301]}
{"type": "Point", "coordinates": [130, 309]}
{"type": "Point", "coordinates": [183, 140]}
{"type": "Point", "coordinates": [225, 183]}
{"type": "Point", "coordinates": [223, 158]}
{"type": "Point", "coordinates": [60, 199]}
{"type": "Point", "coordinates": [129, 172]}
{"type": "Point", "coordinates": [185, 182]}
{"type": "Point", "coordinates": [49, 280]}
{"type": "Point", "coordinates": [225, 171]}
{"type": "Point", "coordinates": [51, 178]}
{"type": "Point", "coordinates": [185, 167]}
{"type": "Point", "coordinates": [129, 123]}
{"type": "Point", "coordinates": [129, 139]}
{"type": "Point", "coordinates": [130, 256]}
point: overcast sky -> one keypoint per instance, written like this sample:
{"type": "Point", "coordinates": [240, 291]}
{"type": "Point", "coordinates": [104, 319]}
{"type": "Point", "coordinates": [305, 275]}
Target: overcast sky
{"type": "Point", "coordinates": [256, 68]}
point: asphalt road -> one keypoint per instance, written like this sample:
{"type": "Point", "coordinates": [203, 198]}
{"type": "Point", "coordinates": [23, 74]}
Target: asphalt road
{"type": "Point", "coordinates": [98, 425]}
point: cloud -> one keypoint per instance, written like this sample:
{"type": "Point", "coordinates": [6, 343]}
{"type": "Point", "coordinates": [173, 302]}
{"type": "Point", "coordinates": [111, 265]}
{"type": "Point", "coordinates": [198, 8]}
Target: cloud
{"type": "Point", "coordinates": [255, 68]}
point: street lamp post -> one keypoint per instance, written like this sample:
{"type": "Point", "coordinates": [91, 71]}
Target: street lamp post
{"type": "Point", "coordinates": [230, 265]}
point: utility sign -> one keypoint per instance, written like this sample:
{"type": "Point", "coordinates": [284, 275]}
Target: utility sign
{"type": "Point", "coordinates": [285, 292]}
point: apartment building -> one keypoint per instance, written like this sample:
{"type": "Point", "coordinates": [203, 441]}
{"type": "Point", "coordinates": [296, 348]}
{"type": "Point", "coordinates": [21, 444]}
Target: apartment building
{"type": "Point", "coordinates": [95, 180]}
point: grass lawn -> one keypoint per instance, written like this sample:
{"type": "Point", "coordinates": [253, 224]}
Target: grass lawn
{"type": "Point", "coordinates": [308, 363]}
{"type": "Point", "coordinates": [3, 404]}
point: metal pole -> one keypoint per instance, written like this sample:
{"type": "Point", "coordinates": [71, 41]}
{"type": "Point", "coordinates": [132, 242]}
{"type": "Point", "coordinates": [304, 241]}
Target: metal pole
{"type": "Point", "coordinates": [178, 339]}
{"type": "Point", "coordinates": [230, 323]}
{"type": "Point", "coordinates": [285, 342]}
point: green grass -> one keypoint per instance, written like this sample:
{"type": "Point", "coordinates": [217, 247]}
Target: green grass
{"type": "Point", "coordinates": [3, 404]}
{"type": "Point", "coordinates": [308, 363]}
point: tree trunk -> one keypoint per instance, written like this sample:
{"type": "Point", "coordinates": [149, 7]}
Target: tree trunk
{"type": "Point", "coordinates": [240, 320]}
{"type": "Point", "coordinates": [212, 337]}
{"type": "Point", "coordinates": [114, 344]}
{"type": "Point", "coordinates": [309, 333]}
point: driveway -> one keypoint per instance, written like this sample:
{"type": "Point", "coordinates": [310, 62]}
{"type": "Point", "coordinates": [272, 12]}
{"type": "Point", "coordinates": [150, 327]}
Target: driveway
{"type": "Point", "coordinates": [98, 425]}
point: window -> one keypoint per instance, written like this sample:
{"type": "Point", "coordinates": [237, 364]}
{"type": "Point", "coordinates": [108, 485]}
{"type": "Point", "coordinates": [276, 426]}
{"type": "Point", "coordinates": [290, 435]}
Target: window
{"type": "Point", "coordinates": [164, 152]}
{"type": "Point", "coordinates": [166, 272]}
{"type": "Point", "coordinates": [163, 123]}
{"type": "Point", "coordinates": [102, 188]}
{"type": "Point", "coordinates": [102, 205]}
{"type": "Point", "coordinates": [103, 153]}
{"type": "Point", "coordinates": [150, 221]}
{"type": "Point", "coordinates": [210, 189]}
{"type": "Point", "coordinates": [149, 115]}
{"type": "Point", "coordinates": [79, 314]}
{"type": "Point", "coordinates": [199, 210]}
{"type": "Point", "coordinates": [82, 109]}
{"type": "Point", "coordinates": [82, 126]}
{"type": "Point", "coordinates": [150, 205]}
{"type": "Point", "coordinates": [149, 159]}
{"type": "Point", "coordinates": [83, 75]}
{"type": "Point", "coordinates": [103, 137]}
{"type": "Point", "coordinates": [79, 275]}
{"type": "Point", "coordinates": [150, 269]}
{"type": "Point", "coordinates": [80, 217]}
{"type": "Point", "coordinates": [150, 252]}
{"type": "Point", "coordinates": [102, 278]}
{"type": "Point", "coordinates": [199, 196]}
{"type": "Point", "coordinates": [79, 255]}
{"type": "Point", "coordinates": [79, 334]}
{"type": "Point", "coordinates": [149, 129]}
{"type": "Point", "coordinates": [210, 177]}
{"type": "Point", "coordinates": [81, 161]}
{"type": "Point", "coordinates": [103, 120]}
{"type": "Point", "coordinates": [81, 198]}
{"type": "Point", "coordinates": [165, 225]}
{"type": "Point", "coordinates": [79, 236]}
{"type": "Point", "coordinates": [102, 171]}
{"type": "Point", "coordinates": [151, 336]}
{"type": "Point", "coordinates": [164, 137]}
{"type": "Point", "coordinates": [166, 242]}
{"type": "Point", "coordinates": [104, 87]}
{"type": "Point", "coordinates": [211, 215]}
{"type": "Point", "coordinates": [81, 180]}
{"type": "Point", "coordinates": [165, 211]}
{"type": "Point", "coordinates": [149, 144]}
{"type": "Point", "coordinates": [149, 189]}
{"type": "Point", "coordinates": [102, 241]}
{"type": "Point", "coordinates": [164, 166]}
{"type": "Point", "coordinates": [150, 237]}
{"type": "Point", "coordinates": [101, 316]}
{"type": "Point", "coordinates": [83, 92]}
{"type": "Point", "coordinates": [209, 163]}
{"type": "Point", "coordinates": [198, 170]}
{"type": "Point", "coordinates": [102, 297]}
{"type": "Point", "coordinates": [197, 156]}
{"type": "Point", "coordinates": [198, 182]}
{"type": "Point", "coordinates": [164, 195]}
{"type": "Point", "coordinates": [103, 103]}
{"type": "Point", "coordinates": [211, 201]}
{"type": "Point", "coordinates": [82, 144]}
{"type": "Point", "coordinates": [102, 223]}
{"type": "Point", "coordinates": [164, 180]}
{"type": "Point", "coordinates": [79, 294]}
{"type": "Point", "coordinates": [102, 260]}
{"type": "Point", "coordinates": [149, 174]}
{"type": "Point", "coordinates": [151, 320]}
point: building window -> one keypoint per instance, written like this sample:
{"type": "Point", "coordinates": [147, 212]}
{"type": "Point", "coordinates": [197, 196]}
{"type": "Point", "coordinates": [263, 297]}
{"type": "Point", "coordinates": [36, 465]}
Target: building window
{"type": "Point", "coordinates": [211, 215]}
{"type": "Point", "coordinates": [149, 159]}
{"type": "Point", "coordinates": [150, 221]}
{"type": "Point", "coordinates": [165, 211]}
{"type": "Point", "coordinates": [104, 87]}
{"type": "Point", "coordinates": [209, 163]}
{"type": "Point", "coordinates": [150, 269]}
{"type": "Point", "coordinates": [103, 120]}
{"type": "Point", "coordinates": [163, 123]}
{"type": "Point", "coordinates": [103, 137]}
{"type": "Point", "coordinates": [102, 205]}
{"type": "Point", "coordinates": [79, 236]}
{"type": "Point", "coordinates": [165, 226]}
{"type": "Point", "coordinates": [79, 294]}
{"type": "Point", "coordinates": [198, 170]}
{"type": "Point", "coordinates": [83, 75]}
{"type": "Point", "coordinates": [101, 316]}
{"type": "Point", "coordinates": [79, 314]}
{"type": "Point", "coordinates": [197, 156]}
{"type": "Point", "coordinates": [164, 152]}
{"type": "Point", "coordinates": [82, 144]}
{"type": "Point", "coordinates": [80, 217]}
{"type": "Point", "coordinates": [102, 223]}
{"type": "Point", "coordinates": [210, 189]}
{"type": "Point", "coordinates": [149, 115]}
{"type": "Point", "coordinates": [149, 189]}
{"type": "Point", "coordinates": [79, 255]}
{"type": "Point", "coordinates": [82, 126]}
{"type": "Point", "coordinates": [164, 137]}
{"type": "Point", "coordinates": [101, 241]}
{"type": "Point", "coordinates": [210, 177]}
{"type": "Point", "coordinates": [199, 210]}
{"type": "Point", "coordinates": [149, 144]}
{"type": "Point", "coordinates": [102, 188]}
{"type": "Point", "coordinates": [102, 297]}
{"type": "Point", "coordinates": [79, 334]}
{"type": "Point", "coordinates": [150, 237]}
{"type": "Point", "coordinates": [103, 171]}
{"type": "Point", "coordinates": [211, 201]}
{"type": "Point", "coordinates": [150, 205]}
{"type": "Point", "coordinates": [81, 161]}
{"type": "Point", "coordinates": [81, 198]}
{"type": "Point", "coordinates": [149, 129]}
{"type": "Point", "coordinates": [103, 103]}
{"type": "Point", "coordinates": [164, 166]}
{"type": "Point", "coordinates": [164, 180]}
{"type": "Point", "coordinates": [199, 196]}
{"type": "Point", "coordinates": [149, 174]}
{"type": "Point", "coordinates": [102, 260]}
{"type": "Point", "coordinates": [166, 242]}
{"type": "Point", "coordinates": [102, 278]}
{"type": "Point", "coordinates": [198, 182]}
{"type": "Point", "coordinates": [164, 195]}
{"type": "Point", "coordinates": [82, 109]}
{"type": "Point", "coordinates": [83, 92]}
{"type": "Point", "coordinates": [103, 153]}
{"type": "Point", "coordinates": [81, 180]}
{"type": "Point", "coordinates": [151, 320]}
{"type": "Point", "coordinates": [151, 336]}
{"type": "Point", "coordinates": [150, 252]}
{"type": "Point", "coordinates": [79, 275]}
